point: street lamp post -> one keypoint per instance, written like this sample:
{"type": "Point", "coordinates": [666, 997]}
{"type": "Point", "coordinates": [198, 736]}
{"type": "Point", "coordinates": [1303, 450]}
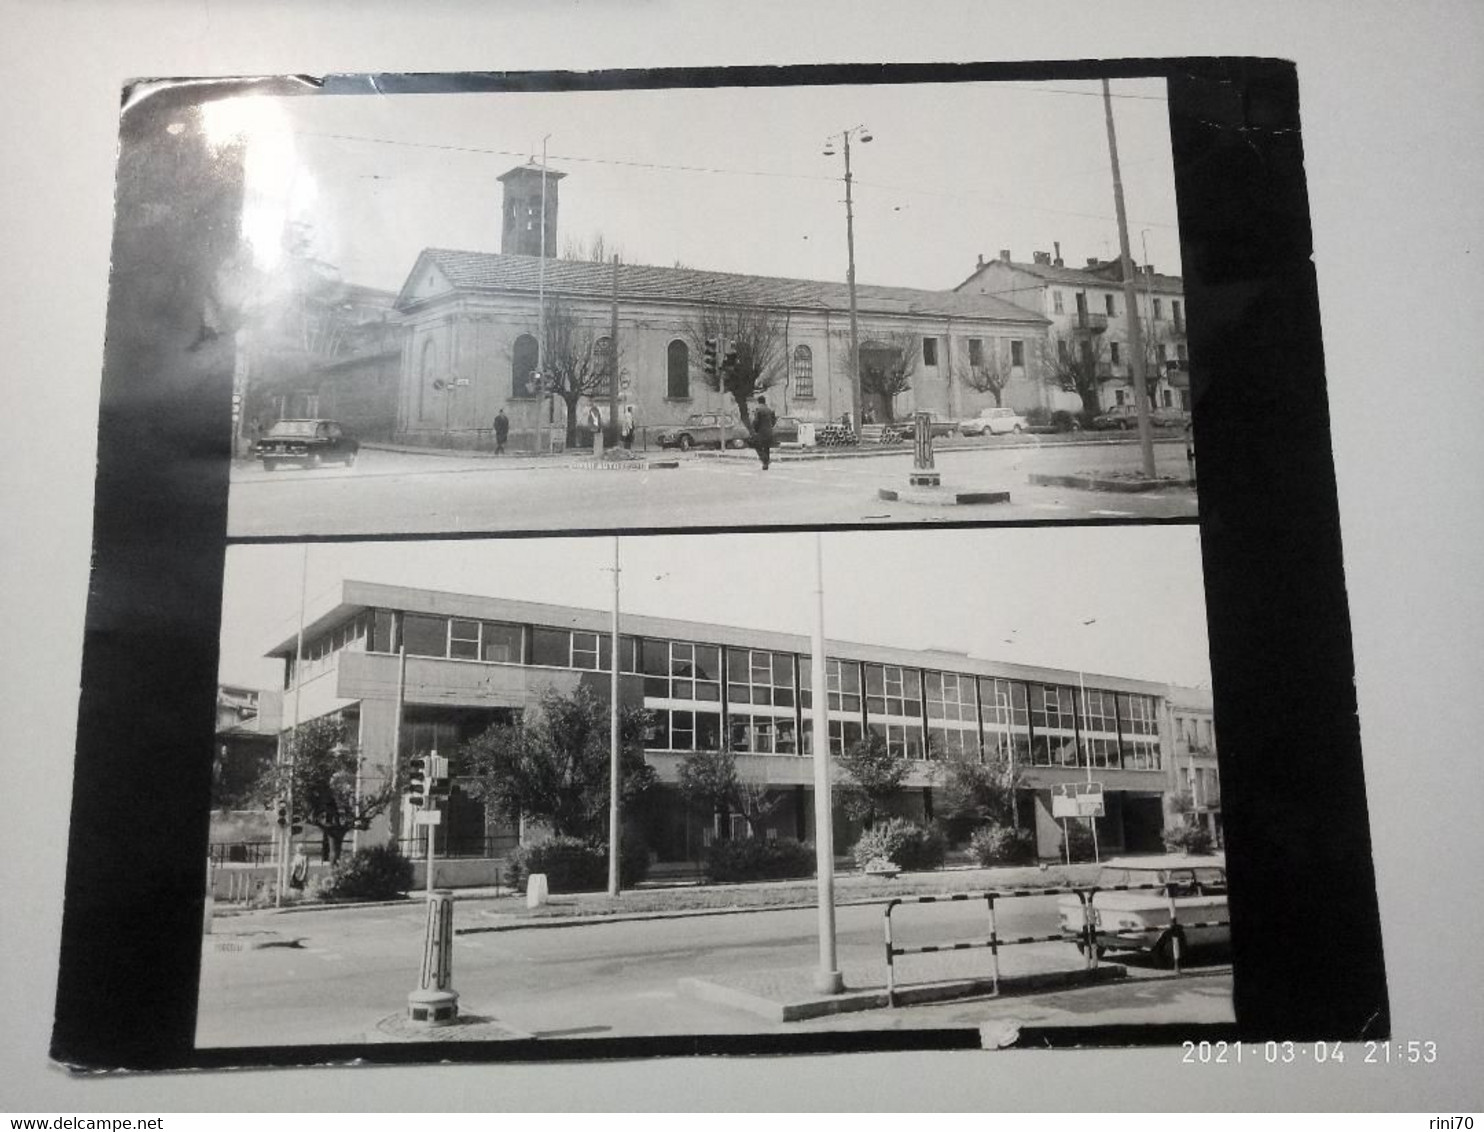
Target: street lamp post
{"type": "Point", "coordinates": [855, 349]}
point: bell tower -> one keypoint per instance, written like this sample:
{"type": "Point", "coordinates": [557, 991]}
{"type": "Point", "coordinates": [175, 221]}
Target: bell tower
{"type": "Point", "coordinates": [522, 221]}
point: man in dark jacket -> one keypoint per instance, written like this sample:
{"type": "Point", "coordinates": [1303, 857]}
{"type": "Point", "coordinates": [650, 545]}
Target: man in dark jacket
{"type": "Point", "coordinates": [502, 430]}
{"type": "Point", "coordinates": [763, 420]}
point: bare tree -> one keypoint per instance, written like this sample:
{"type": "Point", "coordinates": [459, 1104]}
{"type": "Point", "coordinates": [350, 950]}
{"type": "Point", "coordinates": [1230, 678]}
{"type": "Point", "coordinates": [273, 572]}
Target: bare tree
{"type": "Point", "coordinates": [595, 250]}
{"type": "Point", "coordinates": [755, 334]}
{"type": "Point", "coordinates": [1078, 364]}
{"type": "Point", "coordinates": [577, 364]}
{"type": "Point", "coordinates": [887, 363]}
{"type": "Point", "coordinates": [990, 375]}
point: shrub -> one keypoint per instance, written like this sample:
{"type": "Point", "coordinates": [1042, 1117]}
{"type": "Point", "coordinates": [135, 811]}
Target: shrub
{"type": "Point", "coordinates": [1079, 838]}
{"type": "Point", "coordinates": [1003, 845]}
{"type": "Point", "coordinates": [378, 873]}
{"type": "Point", "coordinates": [1065, 421]}
{"type": "Point", "coordinates": [754, 858]}
{"type": "Point", "coordinates": [1188, 839]}
{"type": "Point", "coordinates": [574, 865]}
{"type": "Point", "coordinates": [906, 845]}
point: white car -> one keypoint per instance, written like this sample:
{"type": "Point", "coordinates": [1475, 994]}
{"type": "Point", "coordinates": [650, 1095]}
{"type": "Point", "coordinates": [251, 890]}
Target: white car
{"type": "Point", "coordinates": [993, 422]}
{"type": "Point", "coordinates": [1131, 907]}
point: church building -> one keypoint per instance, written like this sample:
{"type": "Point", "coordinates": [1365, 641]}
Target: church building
{"type": "Point", "coordinates": [472, 319]}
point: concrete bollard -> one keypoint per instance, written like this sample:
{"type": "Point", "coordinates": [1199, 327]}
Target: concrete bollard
{"type": "Point", "coordinates": [435, 1002]}
{"type": "Point", "coordinates": [536, 890]}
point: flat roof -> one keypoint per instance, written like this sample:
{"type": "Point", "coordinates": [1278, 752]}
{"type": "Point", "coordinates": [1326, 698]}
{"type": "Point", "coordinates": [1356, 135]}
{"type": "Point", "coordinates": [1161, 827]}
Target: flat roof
{"type": "Point", "coordinates": [357, 596]}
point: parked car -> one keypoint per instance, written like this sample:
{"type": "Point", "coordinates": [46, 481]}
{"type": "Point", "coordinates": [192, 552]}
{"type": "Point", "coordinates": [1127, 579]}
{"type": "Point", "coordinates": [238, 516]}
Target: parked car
{"type": "Point", "coordinates": [994, 422]}
{"type": "Point", "coordinates": [1127, 417]}
{"type": "Point", "coordinates": [1053, 420]}
{"type": "Point", "coordinates": [938, 424]}
{"type": "Point", "coordinates": [704, 430]}
{"type": "Point", "coordinates": [1138, 919]}
{"type": "Point", "coordinates": [308, 443]}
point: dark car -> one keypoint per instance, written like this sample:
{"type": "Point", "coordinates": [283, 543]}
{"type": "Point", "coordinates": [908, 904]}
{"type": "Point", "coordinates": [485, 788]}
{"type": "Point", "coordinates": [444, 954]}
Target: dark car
{"type": "Point", "coordinates": [308, 443]}
{"type": "Point", "coordinates": [704, 430]}
{"type": "Point", "coordinates": [1127, 417]}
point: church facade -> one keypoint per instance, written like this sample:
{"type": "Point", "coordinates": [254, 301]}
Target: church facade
{"type": "Point", "coordinates": [472, 319]}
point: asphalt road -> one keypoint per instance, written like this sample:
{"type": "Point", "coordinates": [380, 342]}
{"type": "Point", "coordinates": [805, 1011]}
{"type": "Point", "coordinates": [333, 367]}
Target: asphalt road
{"type": "Point", "coordinates": [353, 968]}
{"type": "Point", "coordinates": [389, 492]}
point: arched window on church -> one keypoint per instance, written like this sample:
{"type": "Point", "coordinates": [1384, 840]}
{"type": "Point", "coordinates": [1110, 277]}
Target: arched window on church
{"type": "Point", "coordinates": [803, 372]}
{"type": "Point", "coordinates": [522, 366]}
{"type": "Point", "coordinates": [602, 366]}
{"type": "Point", "coordinates": [677, 371]}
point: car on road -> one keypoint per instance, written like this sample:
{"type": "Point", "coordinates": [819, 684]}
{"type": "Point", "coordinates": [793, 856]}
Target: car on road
{"type": "Point", "coordinates": [1131, 905]}
{"type": "Point", "coordinates": [994, 422]}
{"type": "Point", "coordinates": [705, 430]}
{"type": "Point", "coordinates": [308, 442]}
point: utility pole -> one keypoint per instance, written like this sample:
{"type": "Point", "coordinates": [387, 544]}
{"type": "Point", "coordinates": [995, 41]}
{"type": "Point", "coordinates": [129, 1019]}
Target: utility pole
{"type": "Point", "coordinates": [614, 750]}
{"type": "Point", "coordinates": [288, 829]}
{"type": "Point", "coordinates": [855, 344]}
{"type": "Point", "coordinates": [1149, 300]}
{"type": "Point", "coordinates": [1136, 336]}
{"type": "Point", "coordinates": [542, 427]}
{"type": "Point", "coordinates": [827, 980]}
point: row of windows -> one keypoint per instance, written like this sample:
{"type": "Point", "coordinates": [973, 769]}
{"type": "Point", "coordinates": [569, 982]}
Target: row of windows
{"type": "Point", "coordinates": [767, 693]}
{"type": "Point", "coordinates": [1110, 307]}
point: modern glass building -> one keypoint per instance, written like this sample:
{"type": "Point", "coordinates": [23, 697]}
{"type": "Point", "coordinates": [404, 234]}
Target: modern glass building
{"type": "Point", "coordinates": [471, 662]}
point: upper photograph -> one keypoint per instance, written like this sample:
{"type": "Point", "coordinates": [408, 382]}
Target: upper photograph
{"type": "Point", "coordinates": [728, 307]}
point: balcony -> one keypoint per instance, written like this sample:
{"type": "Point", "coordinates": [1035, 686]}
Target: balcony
{"type": "Point", "coordinates": [1085, 322]}
{"type": "Point", "coordinates": [1177, 326]}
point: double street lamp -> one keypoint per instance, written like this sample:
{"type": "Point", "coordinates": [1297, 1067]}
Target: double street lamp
{"type": "Point", "coordinates": [863, 135]}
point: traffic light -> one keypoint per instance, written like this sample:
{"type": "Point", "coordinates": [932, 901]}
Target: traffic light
{"type": "Point", "coordinates": [283, 812]}
{"type": "Point", "coordinates": [438, 782]}
{"type": "Point", "coordinates": [416, 782]}
{"type": "Point", "coordinates": [710, 354]}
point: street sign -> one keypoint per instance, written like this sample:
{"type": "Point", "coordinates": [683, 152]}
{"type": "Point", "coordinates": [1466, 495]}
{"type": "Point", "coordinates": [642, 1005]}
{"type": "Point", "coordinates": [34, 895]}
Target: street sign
{"type": "Point", "coordinates": [1064, 800]}
{"type": "Point", "coordinates": [428, 817]}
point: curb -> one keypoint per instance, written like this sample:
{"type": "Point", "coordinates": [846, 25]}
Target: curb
{"type": "Point", "coordinates": [1093, 483]}
{"type": "Point", "coordinates": [875, 998]}
{"type": "Point", "coordinates": [940, 496]}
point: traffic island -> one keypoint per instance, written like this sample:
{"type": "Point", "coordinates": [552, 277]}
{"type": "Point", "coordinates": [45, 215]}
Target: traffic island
{"type": "Point", "coordinates": [941, 496]}
{"type": "Point", "coordinates": [1125, 482]}
{"type": "Point", "coordinates": [467, 1028]}
{"type": "Point", "coordinates": [231, 943]}
{"type": "Point", "coordinates": [789, 995]}
{"type": "Point", "coordinates": [622, 462]}
{"type": "Point", "coordinates": [925, 485]}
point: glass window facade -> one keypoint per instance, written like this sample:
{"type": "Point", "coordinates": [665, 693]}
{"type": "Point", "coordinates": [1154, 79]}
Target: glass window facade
{"type": "Point", "coordinates": [952, 715]}
{"type": "Point", "coordinates": [894, 708]}
{"type": "Point", "coordinates": [761, 702]}
{"type": "Point", "coordinates": [1053, 725]}
{"type": "Point", "coordinates": [1139, 728]}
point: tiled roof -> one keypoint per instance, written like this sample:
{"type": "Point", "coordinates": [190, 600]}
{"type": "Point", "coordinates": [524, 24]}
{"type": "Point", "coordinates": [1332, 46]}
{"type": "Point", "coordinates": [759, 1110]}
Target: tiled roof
{"type": "Point", "coordinates": [485, 271]}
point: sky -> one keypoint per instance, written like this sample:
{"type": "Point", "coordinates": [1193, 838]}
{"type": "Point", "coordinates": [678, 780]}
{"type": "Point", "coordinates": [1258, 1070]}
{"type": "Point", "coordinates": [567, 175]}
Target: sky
{"type": "Point", "coordinates": [720, 179]}
{"type": "Point", "coordinates": [1019, 595]}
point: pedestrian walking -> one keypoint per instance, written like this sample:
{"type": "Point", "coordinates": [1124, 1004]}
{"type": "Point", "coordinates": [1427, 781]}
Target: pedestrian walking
{"type": "Point", "coordinates": [502, 431]}
{"type": "Point", "coordinates": [628, 427]}
{"type": "Point", "coordinates": [763, 420]}
{"type": "Point", "coordinates": [595, 424]}
{"type": "Point", "coordinates": [298, 870]}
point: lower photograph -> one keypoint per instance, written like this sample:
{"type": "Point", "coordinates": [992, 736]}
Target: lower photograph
{"type": "Point", "coordinates": [497, 790]}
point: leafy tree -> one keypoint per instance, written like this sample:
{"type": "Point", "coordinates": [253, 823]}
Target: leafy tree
{"type": "Point", "coordinates": [709, 782]}
{"type": "Point", "coordinates": [1078, 364]}
{"type": "Point", "coordinates": [887, 364]}
{"type": "Point", "coordinates": [320, 770]}
{"type": "Point", "coordinates": [576, 364]}
{"type": "Point", "coordinates": [872, 777]}
{"type": "Point", "coordinates": [756, 334]}
{"type": "Point", "coordinates": [978, 793]}
{"type": "Point", "coordinates": [990, 376]}
{"type": "Point", "coordinates": [553, 764]}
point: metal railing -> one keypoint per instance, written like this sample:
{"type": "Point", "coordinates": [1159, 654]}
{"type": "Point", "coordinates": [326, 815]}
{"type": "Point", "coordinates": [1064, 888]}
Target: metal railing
{"type": "Point", "coordinates": [993, 943]}
{"type": "Point", "coordinates": [1092, 933]}
{"type": "Point", "coordinates": [241, 852]}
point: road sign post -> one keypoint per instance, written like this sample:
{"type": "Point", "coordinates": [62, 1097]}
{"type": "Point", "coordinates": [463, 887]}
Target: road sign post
{"type": "Point", "coordinates": [435, 1002]}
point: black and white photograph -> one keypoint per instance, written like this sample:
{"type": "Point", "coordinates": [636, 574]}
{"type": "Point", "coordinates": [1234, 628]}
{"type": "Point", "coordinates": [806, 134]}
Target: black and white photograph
{"type": "Point", "coordinates": [452, 310]}
{"type": "Point", "coordinates": [623, 558]}
{"type": "Point", "coordinates": [1021, 788]}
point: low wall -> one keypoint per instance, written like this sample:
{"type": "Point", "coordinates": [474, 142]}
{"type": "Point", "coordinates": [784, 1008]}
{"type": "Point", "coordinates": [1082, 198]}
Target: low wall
{"type": "Point", "coordinates": [239, 883]}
